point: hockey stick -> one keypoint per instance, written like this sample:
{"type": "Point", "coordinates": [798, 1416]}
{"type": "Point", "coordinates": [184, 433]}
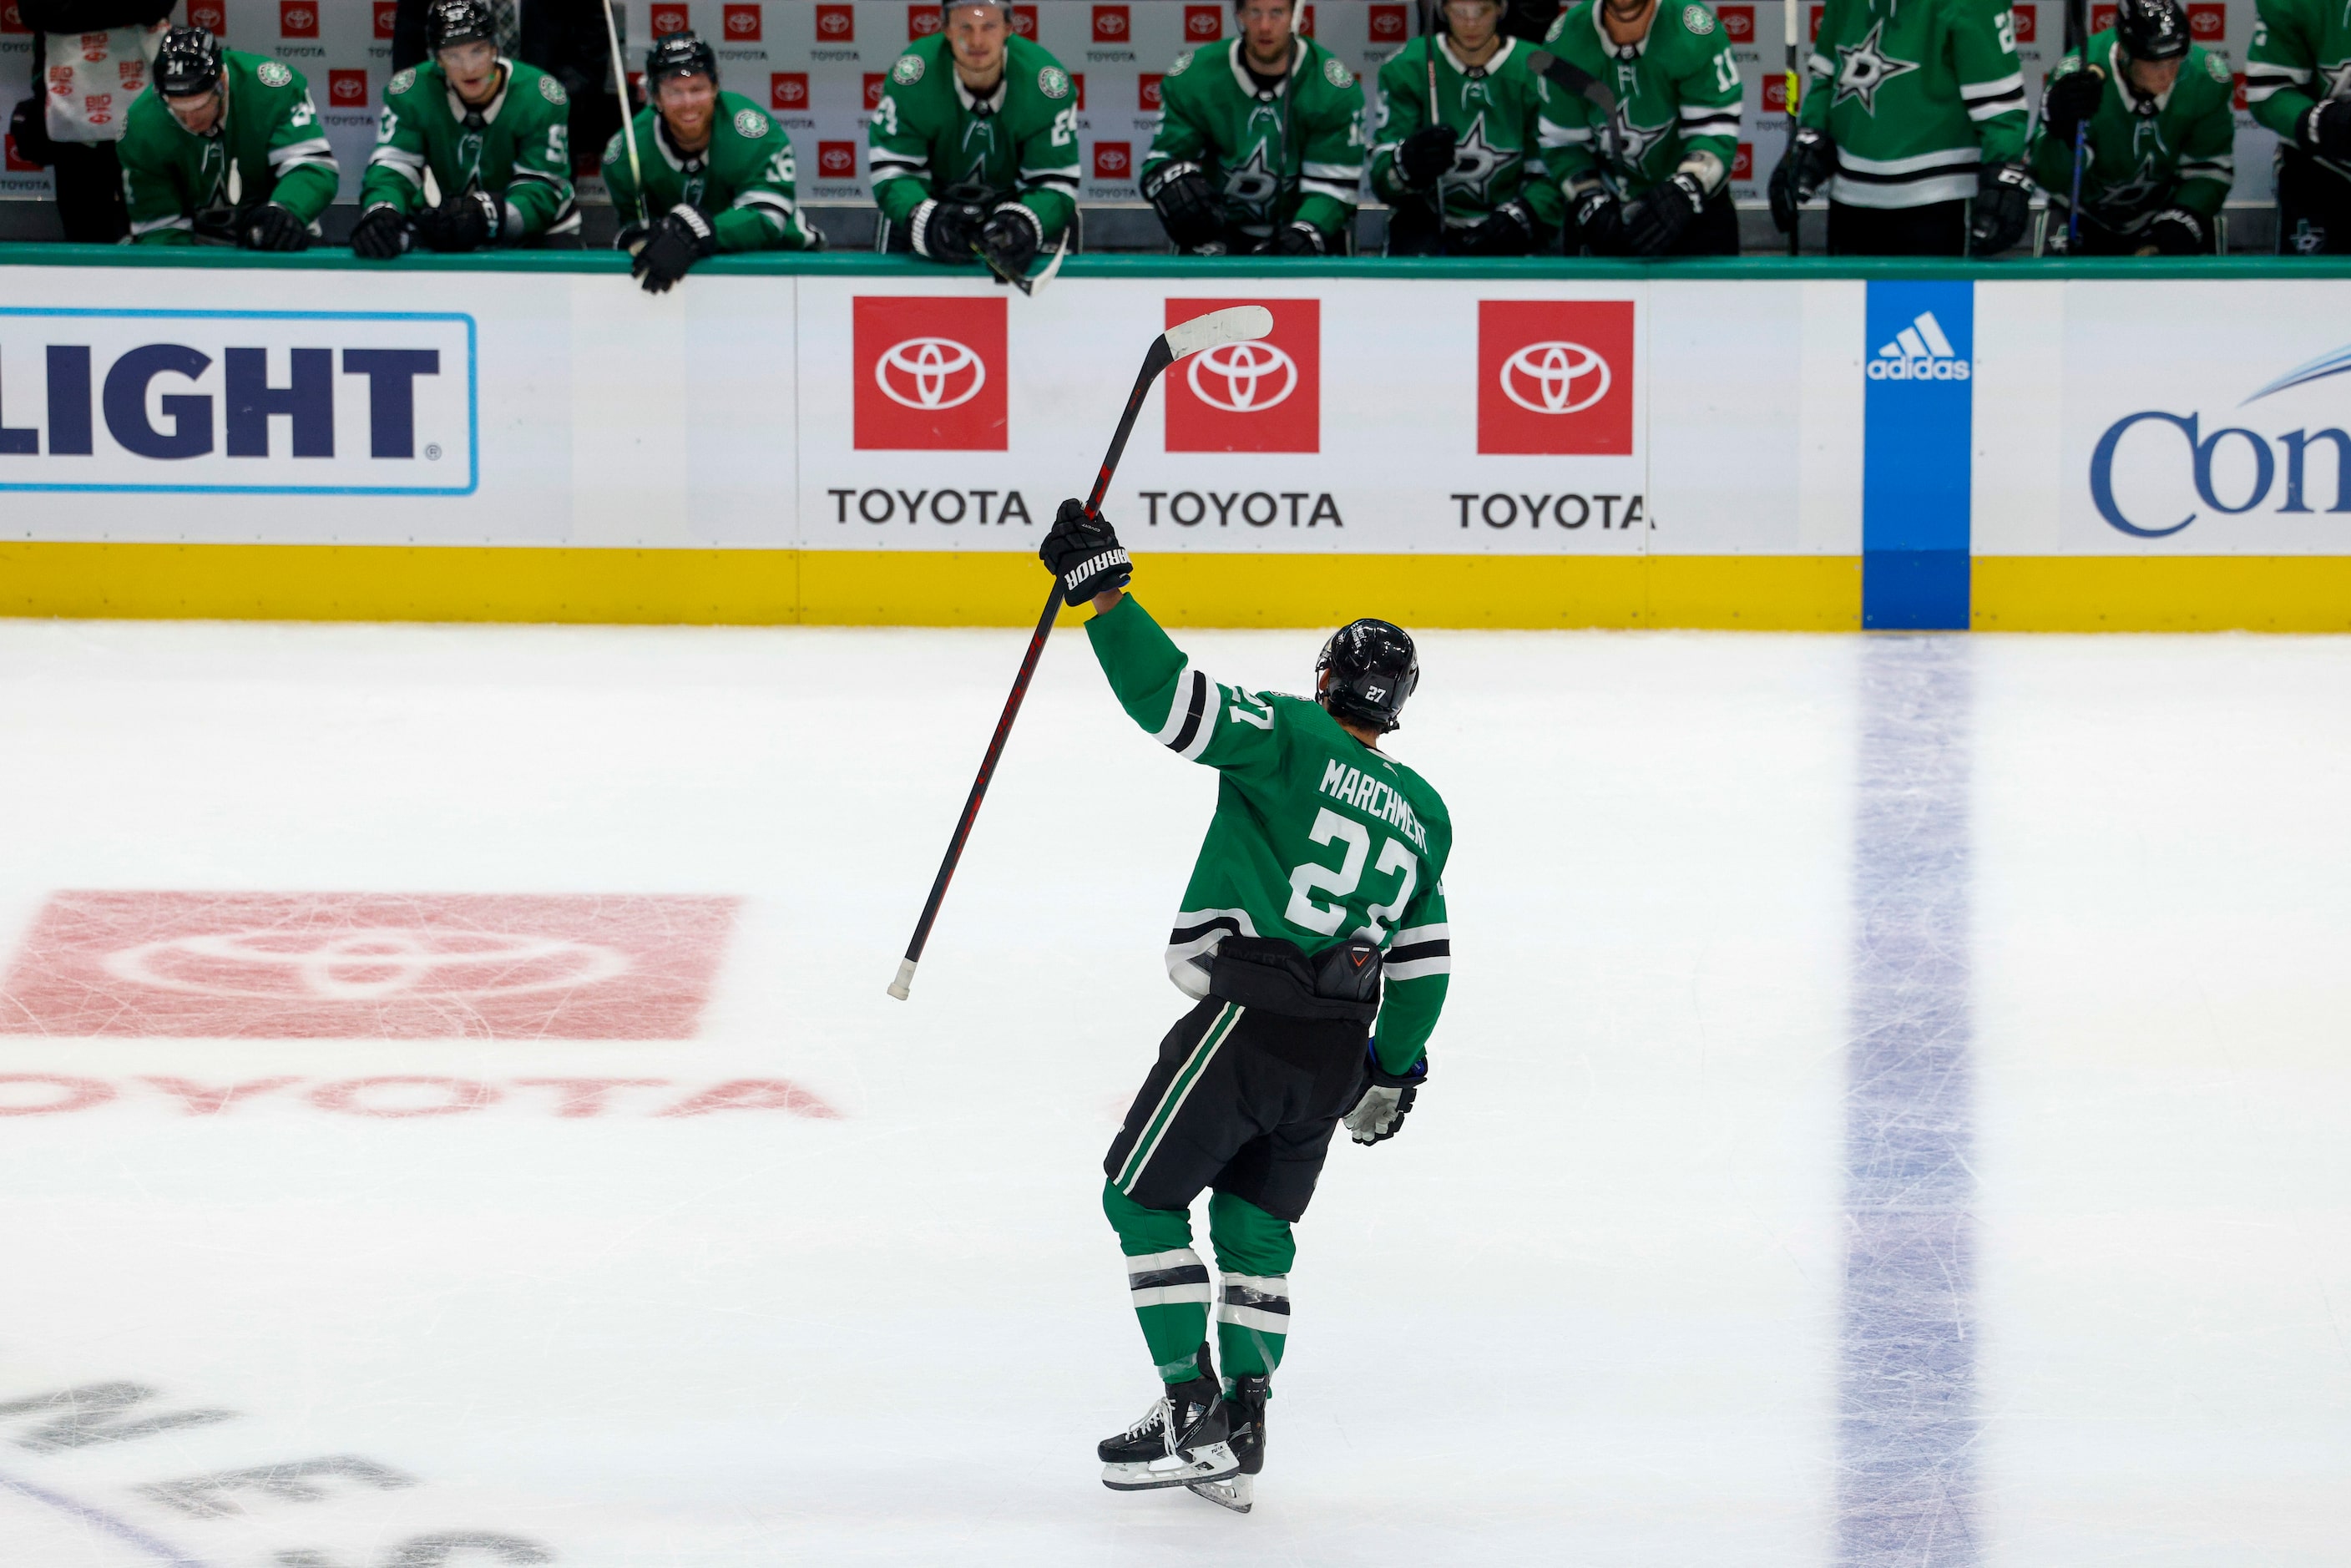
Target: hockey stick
{"type": "Point", "coordinates": [1237, 324]}
{"type": "Point", "coordinates": [628, 120]}
{"type": "Point", "coordinates": [1022, 281]}
{"type": "Point", "coordinates": [1787, 9]}
{"type": "Point", "coordinates": [1575, 79]}
{"type": "Point", "coordinates": [2077, 27]}
{"type": "Point", "coordinates": [1432, 21]}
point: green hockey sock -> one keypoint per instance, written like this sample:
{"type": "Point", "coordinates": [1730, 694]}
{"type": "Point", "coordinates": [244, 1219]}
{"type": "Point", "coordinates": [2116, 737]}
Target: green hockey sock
{"type": "Point", "coordinates": [1254, 1252]}
{"type": "Point", "coordinates": [1169, 1282]}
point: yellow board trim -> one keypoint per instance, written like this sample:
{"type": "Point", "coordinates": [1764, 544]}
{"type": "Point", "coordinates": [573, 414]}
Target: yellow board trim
{"type": "Point", "coordinates": [2162, 593]}
{"type": "Point", "coordinates": [898, 587]}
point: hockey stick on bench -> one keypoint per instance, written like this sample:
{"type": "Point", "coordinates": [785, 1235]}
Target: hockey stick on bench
{"type": "Point", "coordinates": [1575, 79]}
{"type": "Point", "coordinates": [1239, 324]}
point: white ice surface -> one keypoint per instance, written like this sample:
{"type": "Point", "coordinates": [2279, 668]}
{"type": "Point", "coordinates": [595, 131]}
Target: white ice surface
{"type": "Point", "coordinates": [1584, 1311]}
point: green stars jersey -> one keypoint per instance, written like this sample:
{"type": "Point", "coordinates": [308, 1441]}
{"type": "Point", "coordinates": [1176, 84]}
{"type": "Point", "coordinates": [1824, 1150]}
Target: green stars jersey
{"type": "Point", "coordinates": [1916, 94]}
{"type": "Point", "coordinates": [932, 136]}
{"type": "Point", "coordinates": [518, 148]}
{"type": "Point", "coordinates": [1497, 111]}
{"type": "Point", "coordinates": [268, 147]}
{"type": "Point", "coordinates": [1677, 102]}
{"type": "Point", "coordinates": [1317, 839]}
{"type": "Point", "coordinates": [744, 179]}
{"type": "Point", "coordinates": [2182, 153]}
{"type": "Point", "coordinates": [1290, 155]}
{"type": "Point", "coordinates": [2301, 55]}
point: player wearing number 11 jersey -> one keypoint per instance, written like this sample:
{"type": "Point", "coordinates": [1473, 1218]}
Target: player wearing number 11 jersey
{"type": "Point", "coordinates": [1320, 887]}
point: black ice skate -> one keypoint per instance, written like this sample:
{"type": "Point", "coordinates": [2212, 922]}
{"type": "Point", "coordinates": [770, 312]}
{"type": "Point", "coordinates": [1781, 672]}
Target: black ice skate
{"type": "Point", "coordinates": [1180, 1441]}
{"type": "Point", "coordinates": [1245, 1428]}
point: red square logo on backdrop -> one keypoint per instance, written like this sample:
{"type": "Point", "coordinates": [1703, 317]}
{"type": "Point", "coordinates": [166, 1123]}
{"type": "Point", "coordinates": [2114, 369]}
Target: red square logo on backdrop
{"type": "Point", "coordinates": [2028, 23]}
{"type": "Point", "coordinates": [1113, 26]}
{"type": "Point", "coordinates": [366, 965]}
{"type": "Point", "coordinates": [387, 17]}
{"type": "Point", "coordinates": [742, 23]}
{"type": "Point", "coordinates": [1738, 23]}
{"type": "Point", "coordinates": [1203, 24]}
{"type": "Point", "coordinates": [1264, 396]}
{"type": "Point", "coordinates": [836, 23]}
{"type": "Point", "coordinates": [210, 15]}
{"type": "Point", "coordinates": [1387, 24]}
{"type": "Point", "coordinates": [1775, 93]}
{"type": "Point", "coordinates": [2237, 98]}
{"type": "Point", "coordinates": [1306, 21]}
{"type": "Point", "coordinates": [347, 89]}
{"type": "Point", "coordinates": [874, 80]}
{"type": "Point", "coordinates": [1815, 24]}
{"type": "Point", "coordinates": [15, 165]}
{"type": "Point", "coordinates": [836, 161]}
{"type": "Point", "coordinates": [930, 374]}
{"type": "Point", "coordinates": [922, 21]}
{"type": "Point", "coordinates": [788, 89]}
{"type": "Point", "coordinates": [2101, 18]}
{"type": "Point", "coordinates": [1146, 94]}
{"type": "Point", "coordinates": [667, 19]}
{"type": "Point", "coordinates": [1742, 163]}
{"type": "Point", "coordinates": [12, 20]}
{"type": "Point", "coordinates": [298, 19]}
{"type": "Point", "coordinates": [1078, 81]}
{"type": "Point", "coordinates": [1113, 161]}
{"type": "Point", "coordinates": [1024, 22]}
{"type": "Point", "coordinates": [1555, 377]}
{"type": "Point", "coordinates": [2208, 23]}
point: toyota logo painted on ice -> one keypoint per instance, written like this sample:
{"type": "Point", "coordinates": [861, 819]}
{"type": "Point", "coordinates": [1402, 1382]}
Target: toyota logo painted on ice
{"type": "Point", "coordinates": [930, 367]}
{"type": "Point", "coordinates": [1554, 368]}
{"type": "Point", "coordinates": [365, 965]}
{"type": "Point", "coordinates": [1244, 367]}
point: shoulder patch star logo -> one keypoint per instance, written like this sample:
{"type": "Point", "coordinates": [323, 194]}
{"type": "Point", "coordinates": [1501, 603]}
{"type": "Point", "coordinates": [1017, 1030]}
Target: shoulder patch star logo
{"type": "Point", "coordinates": [1475, 161]}
{"type": "Point", "coordinates": [1864, 67]}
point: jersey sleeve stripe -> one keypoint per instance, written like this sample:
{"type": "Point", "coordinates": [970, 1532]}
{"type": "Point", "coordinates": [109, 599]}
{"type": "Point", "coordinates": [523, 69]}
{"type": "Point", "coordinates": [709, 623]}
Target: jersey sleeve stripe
{"type": "Point", "coordinates": [1179, 698]}
{"type": "Point", "coordinates": [1992, 108]}
{"type": "Point", "coordinates": [1437, 932]}
{"type": "Point", "coordinates": [2003, 87]}
{"type": "Point", "coordinates": [390, 157]}
{"type": "Point", "coordinates": [313, 150]}
{"type": "Point", "coordinates": [1192, 744]}
{"type": "Point", "coordinates": [1415, 952]}
{"type": "Point", "coordinates": [181, 221]}
{"type": "Point", "coordinates": [1314, 171]}
{"type": "Point", "coordinates": [1419, 970]}
{"type": "Point", "coordinates": [1331, 188]}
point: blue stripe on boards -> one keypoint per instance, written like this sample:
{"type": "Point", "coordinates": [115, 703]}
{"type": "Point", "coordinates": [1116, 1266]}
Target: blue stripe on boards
{"type": "Point", "coordinates": [1907, 1397]}
{"type": "Point", "coordinates": [1918, 434]}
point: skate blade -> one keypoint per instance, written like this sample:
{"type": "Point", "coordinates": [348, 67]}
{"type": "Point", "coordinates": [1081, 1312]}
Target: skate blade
{"type": "Point", "coordinates": [1213, 1463]}
{"type": "Point", "coordinates": [1237, 1494]}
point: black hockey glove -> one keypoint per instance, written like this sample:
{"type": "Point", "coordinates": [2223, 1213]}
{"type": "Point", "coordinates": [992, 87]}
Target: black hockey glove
{"type": "Point", "coordinates": [467, 221]}
{"type": "Point", "coordinates": [1010, 240]}
{"type": "Point", "coordinates": [271, 228]}
{"type": "Point", "coordinates": [947, 231]}
{"type": "Point", "coordinates": [2004, 206]}
{"type": "Point", "coordinates": [1656, 220]}
{"type": "Point", "coordinates": [1426, 156]}
{"type": "Point", "coordinates": [380, 235]}
{"type": "Point", "coordinates": [1084, 553]}
{"type": "Point", "coordinates": [1507, 230]}
{"type": "Point", "coordinates": [679, 237]}
{"type": "Point", "coordinates": [2327, 130]}
{"type": "Point", "coordinates": [1379, 1114]}
{"type": "Point", "coordinates": [1298, 238]}
{"type": "Point", "coordinates": [1805, 168]}
{"type": "Point", "coordinates": [1188, 209]}
{"type": "Point", "coordinates": [1600, 223]}
{"type": "Point", "coordinates": [2071, 100]}
{"type": "Point", "coordinates": [2176, 231]}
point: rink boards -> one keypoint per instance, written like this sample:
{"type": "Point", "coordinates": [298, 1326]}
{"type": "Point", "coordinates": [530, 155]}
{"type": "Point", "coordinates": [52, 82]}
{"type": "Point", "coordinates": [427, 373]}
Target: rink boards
{"type": "Point", "coordinates": [852, 441]}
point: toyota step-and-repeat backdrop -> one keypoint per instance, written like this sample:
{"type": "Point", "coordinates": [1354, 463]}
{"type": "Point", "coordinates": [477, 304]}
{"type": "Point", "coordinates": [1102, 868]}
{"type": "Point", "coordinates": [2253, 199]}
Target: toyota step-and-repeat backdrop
{"type": "Point", "coordinates": [820, 67]}
{"type": "Point", "coordinates": [900, 412]}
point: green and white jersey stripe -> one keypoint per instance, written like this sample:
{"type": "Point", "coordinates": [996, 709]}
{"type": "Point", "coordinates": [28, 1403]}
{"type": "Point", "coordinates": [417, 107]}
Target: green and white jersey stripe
{"type": "Point", "coordinates": [1916, 95]}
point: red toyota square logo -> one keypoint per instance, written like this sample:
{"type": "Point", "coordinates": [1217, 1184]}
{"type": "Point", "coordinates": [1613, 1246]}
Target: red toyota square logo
{"type": "Point", "coordinates": [347, 89]}
{"type": "Point", "coordinates": [1203, 24]}
{"type": "Point", "coordinates": [873, 89]}
{"type": "Point", "coordinates": [366, 965]}
{"type": "Point", "coordinates": [2208, 23]}
{"type": "Point", "coordinates": [1742, 163]}
{"type": "Point", "coordinates": [1024, 22]}
{"type": "Point", "coordinates": [298, 19]}
{"type": "Point", "coordinates": [1078, 81]}
{"type": "Point", "coordinates": [2028, 23]}
{"type": "Point", "coordinates": [387, 17]}
{"type": "Point", "coordinates": [2237, 98]}
{"type": "Point", "coordinates": [668, 19]}
{"type": "Point", "coordinates": [930, 374]}
{"type": "Point", "coordinates": [1263, 396]}
{"type": "Point", "coordinates": [742, 23]}
{"type": "Point", "coordinates": [1113, 161]}
{"type": "Point", "coordinates": [1112, 25]}
{"type": "Point", "coordinates": [1147, 95]}
{"type": "Point", "coordinates": [1815, 24]}
{"type": "Point", "coordinates": [922, 21]}
{"type": "Point", "coordinates": [1306, 21]}
{"type": "Point", "coordinates": [2101, 18]}
{"type": "Point", "coordinates": [209, 15]}
{"type": "Point", "coordinates": [788, 89]}
{"type": "Point", "coordinates": [1775, 93]}
{"type": "Point", "coordinates": [15, 165]}
{"type": "Point", "coordinates": [836, 161]}
{"type": "Point", "coordinates": [12, 21]}
{"type": "Point", "coordinates": [1388, 25]}
{"type": "Point", "coordinates": [1738, 23]}
{"type": "Point", "coordinates": [836, 23]}
{"type": "Point", "coordinates": [1555, 377]}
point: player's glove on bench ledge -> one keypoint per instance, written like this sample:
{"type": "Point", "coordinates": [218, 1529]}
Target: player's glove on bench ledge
{"type": "Point", "coordinates": [1084, 553]}
{"type": "Point", "coordinates": [1380, 1114]}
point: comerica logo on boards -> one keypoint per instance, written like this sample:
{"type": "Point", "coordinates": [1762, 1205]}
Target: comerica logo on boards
{"type": "Point", "coordinates": [248, 401]}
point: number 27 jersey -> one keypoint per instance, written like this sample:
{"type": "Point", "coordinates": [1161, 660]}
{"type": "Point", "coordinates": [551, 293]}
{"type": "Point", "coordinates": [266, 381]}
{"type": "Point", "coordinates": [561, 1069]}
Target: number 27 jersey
{"type": "Point", "coordinates": [1317, 838]}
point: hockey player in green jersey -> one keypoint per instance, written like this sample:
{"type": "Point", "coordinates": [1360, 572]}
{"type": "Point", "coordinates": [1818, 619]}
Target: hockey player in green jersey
{"type": "Point", "coordinates": [1913, 109]}
{"type": "Point", "coordinates": [1260, 149]}
{"type": "Point", "coordinates": [493, 134]}
{"type": "Point", "coordinates": [973, 146]}
{"type": "Point", "coordinates": [2298, 84]}
{"type": "Point", "coordinates": [226, 150]}
{"type": "Point", "coordinates": [1320, 883]}
{"type": "Point", "coordinates": [2160, 144]}
{"type": "Point", "coordinates": [717, 168]}
{"type": "Point", "coordinates": [1656, 182]}
{"type": "Point", "coordinates": [1480, 162]}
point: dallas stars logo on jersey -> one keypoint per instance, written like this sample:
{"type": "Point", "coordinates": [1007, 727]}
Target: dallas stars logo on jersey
{"type": "Point", "coordinates": [1866, 66]}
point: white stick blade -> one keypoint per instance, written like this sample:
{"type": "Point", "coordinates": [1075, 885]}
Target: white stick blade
{"type": "Point", "coordinates": [1235, 324]}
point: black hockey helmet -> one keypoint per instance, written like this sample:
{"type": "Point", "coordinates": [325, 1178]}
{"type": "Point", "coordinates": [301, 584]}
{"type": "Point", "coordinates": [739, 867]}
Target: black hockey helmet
{"type": "Point", "coordinates": [947, 8]}
{"type": "Point", "coordinates": [448, 23]}
{"type": "Point", "coordinates": [1365, 672]}
{"type": "Point", "coordinates": [679, 55]}
{"type": "Point", "coordinates": [2151, 29]}
{"type": "Point", "coordinates": [187, 63]}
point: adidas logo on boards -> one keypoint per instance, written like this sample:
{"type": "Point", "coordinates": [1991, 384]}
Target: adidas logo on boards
{"type": "Point", "coordinates": [1919, 353]}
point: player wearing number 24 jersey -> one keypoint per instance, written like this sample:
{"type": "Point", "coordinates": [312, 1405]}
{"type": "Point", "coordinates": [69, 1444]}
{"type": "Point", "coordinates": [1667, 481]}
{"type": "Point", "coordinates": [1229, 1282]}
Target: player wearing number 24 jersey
{"type": "Point", "coordinates": [1320, 887]}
